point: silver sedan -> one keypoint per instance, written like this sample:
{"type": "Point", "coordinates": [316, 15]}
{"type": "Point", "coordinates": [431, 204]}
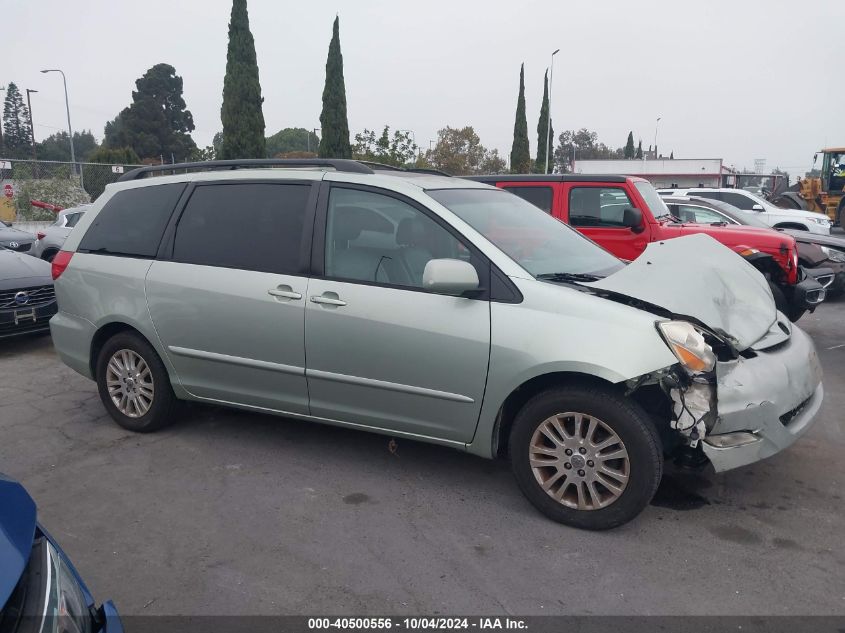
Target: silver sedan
{"type": "Point", "coordinates": [49, 241]}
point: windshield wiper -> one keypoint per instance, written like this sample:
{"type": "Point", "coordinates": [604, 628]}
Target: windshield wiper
{"type": "Point", "coordinates": [568, 277]}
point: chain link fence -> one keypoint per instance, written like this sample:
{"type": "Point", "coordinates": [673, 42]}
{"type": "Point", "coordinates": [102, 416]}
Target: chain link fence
{"type": "Point", "coordinates": [51, 185]}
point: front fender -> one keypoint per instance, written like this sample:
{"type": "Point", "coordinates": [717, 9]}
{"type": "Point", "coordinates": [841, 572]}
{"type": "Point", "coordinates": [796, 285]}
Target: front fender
{"type": "Point", "coordinates": [561, 329]}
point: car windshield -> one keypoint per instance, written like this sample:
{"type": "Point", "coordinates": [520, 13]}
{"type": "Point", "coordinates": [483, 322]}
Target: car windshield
{"type": "Point", "coordinates": [655, 203]}
{"type": "Point", "coordinates": [539, 243]}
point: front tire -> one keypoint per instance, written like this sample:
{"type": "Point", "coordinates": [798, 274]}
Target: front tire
{"type": "Point", "coordinates": [134, 385]}
{"type": "Point", "coordinates": [586, 456]}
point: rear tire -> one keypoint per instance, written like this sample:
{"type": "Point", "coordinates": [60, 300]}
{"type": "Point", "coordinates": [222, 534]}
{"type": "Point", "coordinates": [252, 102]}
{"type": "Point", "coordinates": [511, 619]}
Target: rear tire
{"type": "Point", "coordinates": [134, 385]}
{"type": "Point", "coordinates": [587, 487]}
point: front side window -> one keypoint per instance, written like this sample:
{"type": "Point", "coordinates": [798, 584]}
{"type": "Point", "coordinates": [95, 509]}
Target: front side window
{"type": "Point", "coordinates": [738, 200]}
{"type": "Point", "coordinates": [535, 240]}
{"type": "Point", "coordinates": [377, 238]}
{"type": "Point", "coordinates": [540, 197]}
{"type": "Point", "coordinates": [249, 226]}
{"type": "Point", "coordinates": [598, 206]}
{"type": "Point", "coordinates": [132, 222]}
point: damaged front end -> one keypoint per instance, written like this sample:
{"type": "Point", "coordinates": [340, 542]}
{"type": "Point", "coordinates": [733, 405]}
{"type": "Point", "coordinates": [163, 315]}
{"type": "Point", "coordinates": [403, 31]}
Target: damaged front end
{"type": "Point", "coordinates": [729, 407]}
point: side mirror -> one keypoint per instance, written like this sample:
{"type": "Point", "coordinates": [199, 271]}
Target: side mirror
{"type": "Point", "coordinates": [633, 219]}
{"type": "Point", "coordinates": [449, 276]}
{"type": "Point", "coordinates": [757, 207]}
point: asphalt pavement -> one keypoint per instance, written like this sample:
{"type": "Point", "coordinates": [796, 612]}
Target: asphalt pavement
{"type": "Point", "coordinates": [234, 513]}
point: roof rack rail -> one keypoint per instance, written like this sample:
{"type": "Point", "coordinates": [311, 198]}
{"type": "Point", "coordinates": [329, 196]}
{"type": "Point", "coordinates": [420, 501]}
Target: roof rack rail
{"type": "Point", "coordinates": [413, 170]}
{"type": "Point", "coordinates": [339, 164]}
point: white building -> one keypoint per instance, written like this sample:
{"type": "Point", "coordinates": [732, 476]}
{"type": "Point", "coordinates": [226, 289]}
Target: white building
{"type": "Point", "coordinates": [664, 172]}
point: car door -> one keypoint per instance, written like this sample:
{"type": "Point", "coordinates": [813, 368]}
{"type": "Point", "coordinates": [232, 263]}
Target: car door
{"type": "Point", "coordinates": [381, 351]}
{"type": "Point", "coordinates": [227, 300]}
{"type": "Point", "coordinates": [597, 211]}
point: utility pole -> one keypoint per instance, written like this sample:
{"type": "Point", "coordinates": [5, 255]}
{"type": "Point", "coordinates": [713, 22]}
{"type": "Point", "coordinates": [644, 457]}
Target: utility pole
{"type": "Point", "coordinates": [549, 122]}
{"type": "Point", "coordinates": [655, 137]}
{"type": "Point", "coordinates": [31, 128]}
{"type": "Point", "coordinates": [1, 128]}
{"type": "Point", "coordinates": [67, 108]}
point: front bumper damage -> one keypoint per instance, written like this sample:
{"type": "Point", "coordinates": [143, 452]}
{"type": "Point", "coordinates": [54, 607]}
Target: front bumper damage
{"type": "Point", "coordinates": [754, 406]}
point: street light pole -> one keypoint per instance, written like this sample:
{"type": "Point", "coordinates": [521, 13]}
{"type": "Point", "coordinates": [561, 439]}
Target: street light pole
{"type": "Point", "coordinates": [655, 137]}
{"type": "Point", "coordinates": [1, 129]}
{"type": "Point", "coordinates": [67, 108]}
{"type": "Point", "coordinates": [31, 128]}
{"type": "Point", "coordinates": [549, 122]}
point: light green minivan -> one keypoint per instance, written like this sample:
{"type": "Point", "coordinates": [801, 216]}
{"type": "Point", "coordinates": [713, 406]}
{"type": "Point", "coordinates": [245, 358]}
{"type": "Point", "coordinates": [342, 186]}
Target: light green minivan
{"type": "Point", "coordinates": [436, 309]}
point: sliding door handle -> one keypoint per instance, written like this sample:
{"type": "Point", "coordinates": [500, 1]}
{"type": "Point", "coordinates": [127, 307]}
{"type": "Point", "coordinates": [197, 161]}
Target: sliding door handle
{"type": "Point", "coordinates": [284, 292]}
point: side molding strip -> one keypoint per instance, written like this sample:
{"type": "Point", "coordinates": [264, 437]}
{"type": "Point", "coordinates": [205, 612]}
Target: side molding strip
{"type": "Point", "coordinates": [389, 386]}
{"type": "Point", "coordinates": [237, 360]}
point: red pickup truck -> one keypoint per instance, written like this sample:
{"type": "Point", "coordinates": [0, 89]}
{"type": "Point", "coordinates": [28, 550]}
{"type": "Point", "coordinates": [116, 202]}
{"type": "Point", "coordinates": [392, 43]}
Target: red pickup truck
{"type": "Point", "coordinates": [624, 214]}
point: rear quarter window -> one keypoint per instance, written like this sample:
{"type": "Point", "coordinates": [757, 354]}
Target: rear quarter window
{"type": "Point", "coordinates": [540, 197]}
{"type": "Point", "coordinates": [132, 222]}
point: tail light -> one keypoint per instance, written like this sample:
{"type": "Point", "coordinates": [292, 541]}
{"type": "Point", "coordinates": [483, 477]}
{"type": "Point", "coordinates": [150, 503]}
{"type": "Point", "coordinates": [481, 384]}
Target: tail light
{"type": "Point", "coordinates": [40, 235]}
{"type": "Point", "coordinates": [60, 262]}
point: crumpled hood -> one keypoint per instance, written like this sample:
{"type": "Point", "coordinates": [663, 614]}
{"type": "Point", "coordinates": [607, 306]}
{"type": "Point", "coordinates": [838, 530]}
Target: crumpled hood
{"type": "Point", "coordinates": [17, 529]}
{"type": "Point", "coordinates": [696, 276]}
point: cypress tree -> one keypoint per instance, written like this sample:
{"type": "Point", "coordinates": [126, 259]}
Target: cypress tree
{"type": "Point", "coordinates": [242, 116]}
{"type": "Point", "coordinates": [520, 152]}
{"type": "Point", "coordinates": [543, 141]}
{"type": "Point", "coordinates": [18, 141]}
{"type": "Point", "coordinates": [672, 155]}
{"type": "Point", "coordinates": [639, 153]}
{"type": "Point", "coordinates": [335, 125]}
{"type": "Point", "coordinates": [630, 152]}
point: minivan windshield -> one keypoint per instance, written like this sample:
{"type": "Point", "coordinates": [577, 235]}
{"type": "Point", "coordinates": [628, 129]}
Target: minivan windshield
{"type": "Point", "coordinates": [542, 245]}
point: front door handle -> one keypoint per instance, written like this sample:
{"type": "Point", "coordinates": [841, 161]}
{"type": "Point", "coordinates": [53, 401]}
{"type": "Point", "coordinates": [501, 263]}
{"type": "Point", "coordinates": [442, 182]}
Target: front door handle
{"type": "Point", "coordinates": [329, 299]}
{"type": "Point", "coordinates": [284, 292]}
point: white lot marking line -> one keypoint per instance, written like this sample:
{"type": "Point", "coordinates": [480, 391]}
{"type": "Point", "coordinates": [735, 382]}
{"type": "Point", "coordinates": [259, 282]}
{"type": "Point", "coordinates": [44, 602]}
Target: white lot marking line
{"type": "Point", "coordinates": [836, 347]}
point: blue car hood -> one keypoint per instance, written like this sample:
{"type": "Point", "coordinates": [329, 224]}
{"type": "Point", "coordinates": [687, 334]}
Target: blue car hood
{"type": "Point", "coordinates": [17, 529]}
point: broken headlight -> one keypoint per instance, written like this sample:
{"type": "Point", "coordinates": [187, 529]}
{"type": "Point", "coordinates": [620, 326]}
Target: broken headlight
{"type": "Point", "coordinates": [688, 345]}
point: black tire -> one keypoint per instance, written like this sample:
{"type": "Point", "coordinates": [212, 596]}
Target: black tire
{"type": "Point", "coordinates": [161, 409]}
{"type": "Point", "coordinates": [782, 304]}
{"type": "Point", "coordinates": [625, 418]}
{"type": "Point", "coordinates": [840, 215]}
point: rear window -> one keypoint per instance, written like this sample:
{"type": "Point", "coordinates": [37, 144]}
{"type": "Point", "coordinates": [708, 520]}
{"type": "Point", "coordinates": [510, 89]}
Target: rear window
{"type": "Point", "coordinates": [249, 226]}
{"type": "Point", "coordinates": [132, 222]}
{"type": "Point", "coordinates": [540, 197]}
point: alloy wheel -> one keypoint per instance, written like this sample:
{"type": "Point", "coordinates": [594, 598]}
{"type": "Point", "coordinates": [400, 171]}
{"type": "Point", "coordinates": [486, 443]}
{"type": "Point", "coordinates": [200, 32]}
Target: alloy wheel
{"type": "Point", "coordinates": [130, 383]}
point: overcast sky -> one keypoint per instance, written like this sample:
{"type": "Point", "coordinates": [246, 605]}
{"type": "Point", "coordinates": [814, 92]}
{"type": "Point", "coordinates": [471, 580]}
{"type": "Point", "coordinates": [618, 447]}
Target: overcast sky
{"type": "Point", "coordinates": [736, 80]}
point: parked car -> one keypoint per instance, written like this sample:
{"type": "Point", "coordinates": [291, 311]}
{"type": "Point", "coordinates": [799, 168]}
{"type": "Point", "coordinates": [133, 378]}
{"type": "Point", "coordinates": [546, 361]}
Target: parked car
{"type": "Point", "coordinates": [624, 214]}
{"type": "Point", "coordinates": [27, 299]}
{"type": "Point", "coordinates": [767, 212]}
{"type": "Point", "coordinates": [815, 252]}
{"type": "Point", "coordinates": [15, 239]}
{"type": "Point", "coordinates": [40, 589]}
{"type": "Point", "coordinates": [435, 309]}
{"type": "Point", "coordinates": [49, 240]}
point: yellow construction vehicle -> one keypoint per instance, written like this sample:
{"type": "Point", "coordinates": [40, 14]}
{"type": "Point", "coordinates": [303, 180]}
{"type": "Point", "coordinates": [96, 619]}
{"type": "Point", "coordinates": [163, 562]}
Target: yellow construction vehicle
{"type": "Point", "coordinates": [824, 193]}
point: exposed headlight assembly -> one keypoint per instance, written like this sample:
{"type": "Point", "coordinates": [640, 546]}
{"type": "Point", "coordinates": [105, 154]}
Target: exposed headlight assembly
{"type": "Point", "coordinates": [822, 221]}
{"type": "Point", "coordinates": [833, 254]}
{"type": "Point", "coordinates": [688, 345]}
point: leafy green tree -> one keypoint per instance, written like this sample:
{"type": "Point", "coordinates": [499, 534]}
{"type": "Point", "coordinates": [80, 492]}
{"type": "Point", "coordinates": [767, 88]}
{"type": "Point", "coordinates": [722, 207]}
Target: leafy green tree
{"type": "Point", "coordinates": [520, 151]}
{"type": "Point", "coordinates": [333, 118]}
{"type": "Point", "coordinates": [156, 123]}
{"type": "Point", "coordinates": [292, 139]}
{"type": "Point", "coordinates": [459, 152]}
{"type": "Point", "coordinates": [545, 135]}
{"type": "Point", "coordinates": [639, 154]}
{"type": "Point", "coordinates": [242, 114]}
{"type": "Point", "coordinates": [582, 145]}
{"type": "Point", "coordinates": [630, 152]}
{"type": "Point", "coordinates": [17, 139]}
{"type": "Point", "coordinates": [57, 146]}
{"type": "Point", "coordinates": [398, 150]}
{"type": "Point", "coordinates": [96, 177]}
